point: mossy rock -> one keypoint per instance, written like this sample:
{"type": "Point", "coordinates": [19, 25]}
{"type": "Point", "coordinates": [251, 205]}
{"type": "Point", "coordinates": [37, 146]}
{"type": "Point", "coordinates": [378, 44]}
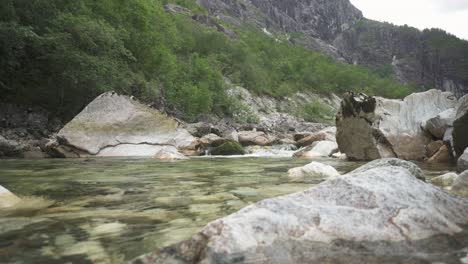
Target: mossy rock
{"type": "Point", "coordinates": [227, 149]}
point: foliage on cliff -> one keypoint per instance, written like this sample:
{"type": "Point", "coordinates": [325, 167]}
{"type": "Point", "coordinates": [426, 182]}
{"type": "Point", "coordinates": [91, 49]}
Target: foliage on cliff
{"type": "Point", "coordinates": [62, 53]}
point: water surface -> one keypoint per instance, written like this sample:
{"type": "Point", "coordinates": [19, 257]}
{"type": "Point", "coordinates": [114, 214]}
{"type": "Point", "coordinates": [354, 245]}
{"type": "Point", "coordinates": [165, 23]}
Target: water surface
{"type": "Point", "coordinates": [112, 210]}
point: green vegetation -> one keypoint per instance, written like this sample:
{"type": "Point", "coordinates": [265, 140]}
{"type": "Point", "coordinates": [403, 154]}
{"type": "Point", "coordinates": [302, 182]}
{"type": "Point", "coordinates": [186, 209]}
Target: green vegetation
{"type": "Point", "coordinates": [228, 149]}
{"type": "Point", "coordinates": [316, 111]}
{"type": "Point", "coordinates": [60, 54]}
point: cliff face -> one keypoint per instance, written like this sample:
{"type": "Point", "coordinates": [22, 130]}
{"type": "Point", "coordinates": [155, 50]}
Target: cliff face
{"type": "Point", "coordinates": [428, 59]}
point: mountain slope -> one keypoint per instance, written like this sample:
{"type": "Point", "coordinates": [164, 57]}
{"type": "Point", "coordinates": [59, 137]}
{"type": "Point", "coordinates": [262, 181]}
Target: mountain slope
{"type": "Point", "coordinates": [429, 59]}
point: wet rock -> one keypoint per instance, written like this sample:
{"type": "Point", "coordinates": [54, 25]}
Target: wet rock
{"type": "Point", "coordinates": [340, 156]}
{"type": "Point", "coordinates": [433, 147]}
{"type": "Point", "coordinates": [371, 128]}
{"type": "Point", "coordinates": [445, 180]}
{"type": "Point", "coordinates": [360, 217]}
{"type": "Point", "coordinates": [462, 163]}
{"type": "Point", "coordinates": [228, 149]}
{"type": "Point", "coordinates": [460, 127]}
{"type": "Point", "coordinates": [314, 169]}
{"type": "Point", "coordinates": [460, 185]}
{"type": "Point", "coordinates": [318, 149]}
{"type": "Point", "coordinates": [7, 199]}
{"type": "Point", "coordinates": [327, 134]}
{"type": "Point", "coordinates": [117, 125]}
{"type": "Point", "coordinates": [169, 154]}
{"type": "Point", "coordinates": [440, 123]}
{"type": "Point", "coordinates": [441, 156]}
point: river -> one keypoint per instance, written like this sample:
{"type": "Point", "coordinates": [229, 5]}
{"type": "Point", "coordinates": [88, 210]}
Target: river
{"type": "Point", "coordinates": [112, 210]}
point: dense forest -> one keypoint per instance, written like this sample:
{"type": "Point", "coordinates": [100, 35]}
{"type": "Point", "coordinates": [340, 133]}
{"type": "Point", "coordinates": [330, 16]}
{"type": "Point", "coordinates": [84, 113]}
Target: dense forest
{"type": "Point", "coordinates": [60, 54]}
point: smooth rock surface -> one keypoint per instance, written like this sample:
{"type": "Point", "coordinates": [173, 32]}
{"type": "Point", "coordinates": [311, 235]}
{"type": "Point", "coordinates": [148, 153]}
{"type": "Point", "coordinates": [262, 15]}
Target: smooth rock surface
{"type": "Point", "coordinates": [318, 149]}
{"type": "Point", "coordinates": [169, 154]}
{"type": "Point", "coordinates": [460, 185]}
{"type": "Point", "coordinates": [314, 169]}
{"type": "Point", "coordinates": [445, 180]}
{"type": "Point", "coordinates": [371, 128]}
{"type": "Point", "coordinates": [7, 199]}
{"type": "Point", "coordinates": [117, 124]}
{"type": "Point", "coordinates": [360, 217]}
{"type": "Point", "coordinates": [440, 123]}
{"type": "Point", "coordinates": [462, 163]}
{"type": "Point", "coordinates": [441, 156]}
{"type": "Point", "coordinates": [433, 147]}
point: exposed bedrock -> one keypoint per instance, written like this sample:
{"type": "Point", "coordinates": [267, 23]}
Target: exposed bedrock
{"type": "Point", "coordinates": [370, 128]}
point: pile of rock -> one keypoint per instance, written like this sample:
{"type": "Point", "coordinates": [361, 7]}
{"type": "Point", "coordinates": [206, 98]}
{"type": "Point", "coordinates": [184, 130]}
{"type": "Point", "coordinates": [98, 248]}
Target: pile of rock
{"type": "Point", "coordinates": [427, 126]}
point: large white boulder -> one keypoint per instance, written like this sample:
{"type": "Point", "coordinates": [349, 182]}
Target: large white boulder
{"type": "Point", "coordinates": [371, 128]}
{"type": "Point", "coordinates": [318, 149]}
{"type": "Point", "coordinates": [117, 125]}
{"type": "Point", "coordinates": [361, 217]}
{"type": "Point", "coordinates": [314, 169]}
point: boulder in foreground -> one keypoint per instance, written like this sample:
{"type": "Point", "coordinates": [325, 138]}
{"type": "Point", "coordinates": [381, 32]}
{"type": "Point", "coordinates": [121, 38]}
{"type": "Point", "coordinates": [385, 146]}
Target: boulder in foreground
{"type": "Point", "coordinates": [460, 128]}
{"type": "Point", "coordinates": [378, 214]}
{"type": "Point", "coordinates": [117, 125]}
{"type": "Point", "coordinates": [370, 128]}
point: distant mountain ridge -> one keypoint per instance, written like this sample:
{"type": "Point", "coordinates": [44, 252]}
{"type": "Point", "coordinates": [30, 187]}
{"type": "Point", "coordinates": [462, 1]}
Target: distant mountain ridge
{"type": "Point", "coordinates": [429, 58]}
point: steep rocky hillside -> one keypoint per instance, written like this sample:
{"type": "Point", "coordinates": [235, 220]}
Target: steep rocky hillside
{"type": "Point", "coordinates": [429, 58]}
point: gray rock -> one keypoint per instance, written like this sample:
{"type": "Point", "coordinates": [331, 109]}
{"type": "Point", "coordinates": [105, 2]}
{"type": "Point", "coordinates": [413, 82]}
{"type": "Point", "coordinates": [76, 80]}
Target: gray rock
{"type": "Point", "coordinates": [445, 180]}
{"type": "Point", "coordinates": [9, 148]}
{"type": "Point", "coordinates": [370, 128]}
{"type": "Point", "coordinates": [314, 169]}
{"type": "Point", "coordinates": [116, 125]}
{"type": "Point", "coordinates": [440, 123]}
{"type": "Point", "coordinates": [460, 185]}
{"type": "Point", "coordinates": [460, 127]}
{"type": "Point", "coordinates": [462, 163]}
{"type": "Point", "coordinates": [169, 154]}
{"type": "Point", "coordinates": [411, 167]}
{"type": "Point", "coordinates": [361, 217]}
{"type": "Point", "coordinates": [256, 138]}
{"type": "Point", "coordinates": [318, 149]}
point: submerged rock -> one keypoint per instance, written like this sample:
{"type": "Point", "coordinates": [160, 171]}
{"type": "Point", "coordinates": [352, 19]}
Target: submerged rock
{"type": "Point", "coordinates": [318, 149]}
{"type": "Point", "coordinates": [371, 128]}
{"type": "Point", "coordinates": [314, 169]}
{"type": "Point", "coordinates": [7, 199]}
{"type": "Point", "coordinates": [363, 217]}
{"type": "Point", "coordinates": [228, 149]}
{"type": "Point", "coordinates": [117, 125]}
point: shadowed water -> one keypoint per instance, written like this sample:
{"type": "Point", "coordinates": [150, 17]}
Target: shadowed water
{"type": "Point", "coordinates": [112, 210]}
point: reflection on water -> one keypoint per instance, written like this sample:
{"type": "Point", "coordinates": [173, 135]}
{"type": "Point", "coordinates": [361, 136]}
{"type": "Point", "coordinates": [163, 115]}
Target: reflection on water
{"type": "Point", "coordinates": [111, 210]}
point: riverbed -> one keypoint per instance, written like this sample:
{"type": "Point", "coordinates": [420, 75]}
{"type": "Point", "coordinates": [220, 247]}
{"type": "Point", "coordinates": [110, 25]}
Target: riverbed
{"type": "Point", "coordinates": [112, 210]}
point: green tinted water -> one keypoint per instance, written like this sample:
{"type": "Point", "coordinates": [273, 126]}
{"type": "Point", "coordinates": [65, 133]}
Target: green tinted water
{"type": "Point", "coordinates": [112, 210]}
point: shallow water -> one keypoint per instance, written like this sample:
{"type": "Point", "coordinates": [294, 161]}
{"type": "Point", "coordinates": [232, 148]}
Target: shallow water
{"type": "Point", "coordinates": [112, 210]}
